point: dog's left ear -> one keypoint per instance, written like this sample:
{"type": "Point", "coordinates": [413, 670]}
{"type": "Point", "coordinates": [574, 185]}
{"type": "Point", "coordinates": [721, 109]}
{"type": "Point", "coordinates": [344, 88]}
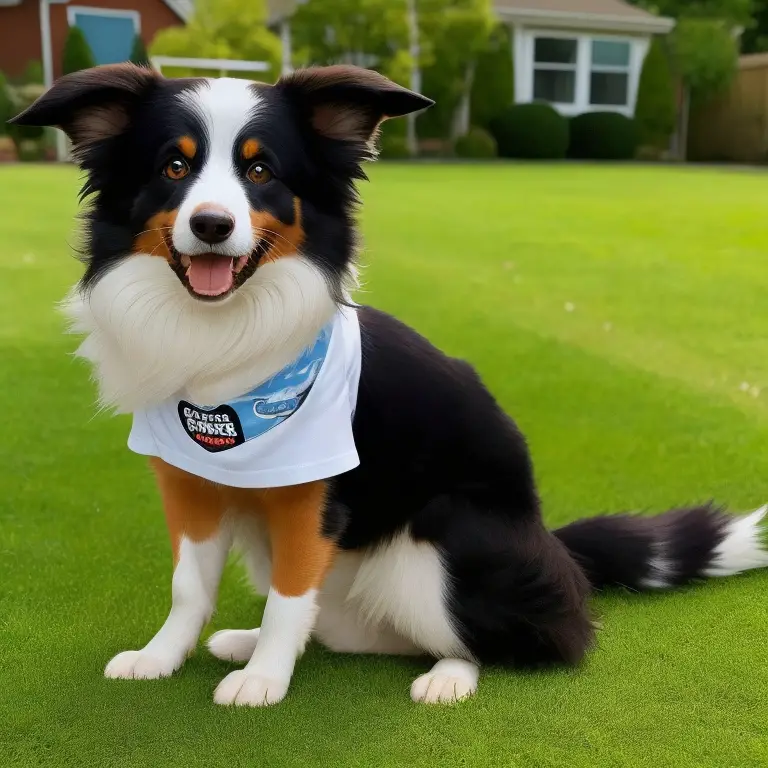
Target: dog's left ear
{"type": "Point", "coordinates": [348, 103]}
{"type": "Point", "coordinates": [92, 104]}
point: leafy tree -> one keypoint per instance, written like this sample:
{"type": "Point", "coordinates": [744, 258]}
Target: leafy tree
{"type": "Point", "coordinates": [77, 52]}
{"type": "Point", "coordinates": [494, 87]}
{"type": "Point", "coordinates": [223, 29]}
{"type": "Point", "coordinates": [755, 37]}
{"type": "Point", "coordinates": [705, 53]}
{"type": "Point", "coordinates": [139, 52]}
{"type": "Point", "coordinates": [703, 43]}
{"type": "Point", "coordinates": [656, 109]}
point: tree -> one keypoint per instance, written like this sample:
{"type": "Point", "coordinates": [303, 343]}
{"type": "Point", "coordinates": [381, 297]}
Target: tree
{"type": "Point", "coordinates": [139, 52]}
{"type": "Point", "coordinates": [494, 87]}
{"type": "Point", "coordinates": [77, 52]}
{"type": "Point", "coordinates": [656, 109]}
{"type": "Point", "coordinates": [223, 29]}
{"type": "Point", "coordinates": [755, 37]}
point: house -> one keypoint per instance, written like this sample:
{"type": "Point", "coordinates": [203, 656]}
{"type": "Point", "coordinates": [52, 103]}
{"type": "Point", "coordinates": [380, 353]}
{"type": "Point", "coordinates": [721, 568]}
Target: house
{"type": "Point", "coordinates": [579, 55]}
{"type": "Point", "coordinates": [35, 30]}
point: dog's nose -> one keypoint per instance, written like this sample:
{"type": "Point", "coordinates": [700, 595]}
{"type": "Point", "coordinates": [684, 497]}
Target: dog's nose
{"type": "Point", "coordinates": [212, 225]}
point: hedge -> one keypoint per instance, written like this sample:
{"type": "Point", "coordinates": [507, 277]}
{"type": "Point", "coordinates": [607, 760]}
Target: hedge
{"type": "Point", "coordinates": [478, 144]}
{"type": "Point", "coordinates": [531, 131]}
{"type": "Point", "coordinates": [77, 52]}
{"type": "Point", "coordinates": [603, 136]}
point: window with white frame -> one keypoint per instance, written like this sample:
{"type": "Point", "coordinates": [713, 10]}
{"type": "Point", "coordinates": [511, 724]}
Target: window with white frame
{"type": "Point", "coordinates": [578, 72]}
{"type": "Point", "coordinates": [555, 61]}
{"type": "Point", "coordinates": [609, 73]}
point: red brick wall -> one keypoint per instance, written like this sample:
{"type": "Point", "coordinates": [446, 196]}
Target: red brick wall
{"type": "Point", "coordinates": [19, 37]}
{"type": "Point", "coordinates": [155, 15]}
{"type": "Point", "coordinates": [20, 29]}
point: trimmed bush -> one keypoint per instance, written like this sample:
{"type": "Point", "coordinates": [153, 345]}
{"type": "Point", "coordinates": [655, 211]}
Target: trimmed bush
{"type": "Point", "coordinates": [33, 73]}
{"type": "Point", "coordinates": [478, 143]}
{"type": "Point", "coordinates": [7, 106]}
{"type": "Point", "coordinates": [139, 52]}
{"type": "Point", "coordinates": [603, 136]}
{"type": "Point", "coordinates": [531, 131]}
{"type": "Point", "coordinates": [656, 111]}
{"type": "Point", "coordinates": [77, 52]}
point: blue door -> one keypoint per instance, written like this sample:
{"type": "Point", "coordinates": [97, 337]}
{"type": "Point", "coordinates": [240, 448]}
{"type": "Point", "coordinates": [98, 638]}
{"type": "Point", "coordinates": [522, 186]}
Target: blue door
{"type": "Point", "coordinates": [110, 36]}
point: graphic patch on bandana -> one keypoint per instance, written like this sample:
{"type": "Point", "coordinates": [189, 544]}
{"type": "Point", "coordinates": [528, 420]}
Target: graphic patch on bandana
{"type": "Point", "coordinates": [233, 423]}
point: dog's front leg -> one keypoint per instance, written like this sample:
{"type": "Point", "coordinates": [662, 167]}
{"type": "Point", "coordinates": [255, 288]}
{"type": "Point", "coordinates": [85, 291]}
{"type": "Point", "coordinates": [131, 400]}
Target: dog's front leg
{"type": "Point", "coordinates": [302, 551]}
{"type": "Point", "coordinates": [200, 541]}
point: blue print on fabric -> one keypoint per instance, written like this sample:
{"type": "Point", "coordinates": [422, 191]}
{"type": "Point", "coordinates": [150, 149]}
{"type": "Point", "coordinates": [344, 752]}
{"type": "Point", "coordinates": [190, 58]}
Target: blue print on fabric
{"type": "Point", "coordinates": [263, 408]}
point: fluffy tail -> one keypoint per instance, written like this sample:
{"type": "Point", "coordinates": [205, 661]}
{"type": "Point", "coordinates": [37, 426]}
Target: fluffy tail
{"type": "Point", "coordinates": [669, 550]}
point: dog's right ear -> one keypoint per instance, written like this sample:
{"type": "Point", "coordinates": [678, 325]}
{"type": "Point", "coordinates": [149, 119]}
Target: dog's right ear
{"type": "Point", "coordinates": [92, 104]}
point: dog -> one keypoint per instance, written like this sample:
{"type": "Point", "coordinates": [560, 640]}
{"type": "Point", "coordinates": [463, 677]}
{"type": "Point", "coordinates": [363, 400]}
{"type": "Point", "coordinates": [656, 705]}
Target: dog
{"type": "Point", "coordinates": [382, 500]}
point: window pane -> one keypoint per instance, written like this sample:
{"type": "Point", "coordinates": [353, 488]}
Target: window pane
{"type": "Point", "coordinates": [554, 87]}
{"type": "Point", "coordinates": [606, 53]}
{"type": "Point", "coordinates": [609, 88]}
{"type": "Point", "coordinates": [554, 50]}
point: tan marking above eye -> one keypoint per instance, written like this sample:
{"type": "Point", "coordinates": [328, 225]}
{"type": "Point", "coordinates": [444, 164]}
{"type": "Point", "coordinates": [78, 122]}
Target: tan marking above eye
{"type": "Point", "coordinates": [188, 146]}
{"type": "Point", "coordinates": [250, 149]}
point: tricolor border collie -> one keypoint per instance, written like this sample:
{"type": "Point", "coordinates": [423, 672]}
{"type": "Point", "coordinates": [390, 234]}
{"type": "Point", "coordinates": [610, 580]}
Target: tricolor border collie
{"type": "Point", "coordinates": [382, 499]}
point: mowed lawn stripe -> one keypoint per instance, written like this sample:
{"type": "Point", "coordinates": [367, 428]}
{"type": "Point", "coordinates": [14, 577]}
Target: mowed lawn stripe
{"type": "Point", "coordinates": [677, 679]}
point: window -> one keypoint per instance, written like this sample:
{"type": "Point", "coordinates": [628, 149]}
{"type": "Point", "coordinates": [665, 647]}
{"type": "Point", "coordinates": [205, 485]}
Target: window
{"type": "Point", "coordinates": [609, 74]}
{"type": "Point", "coordinates": [554, 69]}
{"type": "Point", "coordinates": [110, 33]}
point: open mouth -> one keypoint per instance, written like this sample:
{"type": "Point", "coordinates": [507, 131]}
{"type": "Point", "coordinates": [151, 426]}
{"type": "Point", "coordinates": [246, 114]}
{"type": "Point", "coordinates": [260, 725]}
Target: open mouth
{"type": "Point", "coordinates": [211, 276]}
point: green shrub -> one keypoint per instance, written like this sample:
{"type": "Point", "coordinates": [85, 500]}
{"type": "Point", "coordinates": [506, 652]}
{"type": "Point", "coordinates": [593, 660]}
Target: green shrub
{"type": "Point", "coordinates": [478, 143]}
{"type": "Point", "coordinates": [139, 52]}
{"type": "Point", "coordinates": [656, 111]}
{"type": "Point", "coordinates": [77, 52]}
{"type": "Point", "coordinates": [603, 136]}
{"type": "Point", "coordinates": [493, 88]}
{"type": "Point", "coordinates": [393, 148]}
{"type": "Point", "coordinates": [33, 73]}
{"type": "Point", "coordinates": [531, 131]}
{"type": "Point", "coordinates": [7, 105]}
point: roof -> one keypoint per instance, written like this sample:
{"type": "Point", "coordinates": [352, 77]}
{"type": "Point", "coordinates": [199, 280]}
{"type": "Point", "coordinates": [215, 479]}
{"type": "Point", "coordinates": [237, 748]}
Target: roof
{"type": "Point", "coordinates": [182, 8]}
{"type": "Point", "coordinates": [614, 15]}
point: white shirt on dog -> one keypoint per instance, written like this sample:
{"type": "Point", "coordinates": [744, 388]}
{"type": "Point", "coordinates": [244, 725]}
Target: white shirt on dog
{"type": "Point", "coordinates": [294, 428]}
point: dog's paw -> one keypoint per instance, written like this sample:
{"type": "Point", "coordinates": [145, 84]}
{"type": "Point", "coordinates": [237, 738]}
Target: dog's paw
{"type": "Point", "coordinates": [140, 665]}
{"type": "Point", "coordinates": [450, 680]}
{"type": "Point", "coordinates": [233, 644]}
{"type": "Point", "coordinates": [247, 688]}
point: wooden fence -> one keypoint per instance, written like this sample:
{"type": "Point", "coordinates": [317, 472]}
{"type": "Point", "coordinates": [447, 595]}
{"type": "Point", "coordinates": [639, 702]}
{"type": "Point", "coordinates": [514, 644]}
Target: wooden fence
{"type": "Point", "coordinates": [734, 126]}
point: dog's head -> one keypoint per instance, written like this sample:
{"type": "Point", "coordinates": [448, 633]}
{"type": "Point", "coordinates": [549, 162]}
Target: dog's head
{"type": "Point", "coordinates": [219, 238]}
{"type": "Point", "coordinates": [220, 177]}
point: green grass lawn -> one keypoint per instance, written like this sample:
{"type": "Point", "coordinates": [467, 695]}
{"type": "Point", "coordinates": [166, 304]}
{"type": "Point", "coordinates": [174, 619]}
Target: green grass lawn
{"type": "Point", "coordinates": [618, 313]}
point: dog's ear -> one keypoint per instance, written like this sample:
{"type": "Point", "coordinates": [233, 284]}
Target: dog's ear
{"type": "Point", "coordinates": [348, 103]}
{"type": "Point", "coordinates": [92, 104]}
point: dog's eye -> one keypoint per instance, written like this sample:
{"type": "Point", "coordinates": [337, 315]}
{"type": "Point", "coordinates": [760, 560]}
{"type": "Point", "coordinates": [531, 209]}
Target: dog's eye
{"type": "Point", "coordinates": [258, 173]}
{"type": "Point", "coordinates": [176, 169]}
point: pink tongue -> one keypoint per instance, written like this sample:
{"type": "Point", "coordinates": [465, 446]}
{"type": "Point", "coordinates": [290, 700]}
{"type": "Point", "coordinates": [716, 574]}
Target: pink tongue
{"type": "Point", "coordinates": [210, 275]}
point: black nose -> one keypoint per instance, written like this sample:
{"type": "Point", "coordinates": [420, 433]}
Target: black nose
{"type": "Point", "coordinates": [212, 226]}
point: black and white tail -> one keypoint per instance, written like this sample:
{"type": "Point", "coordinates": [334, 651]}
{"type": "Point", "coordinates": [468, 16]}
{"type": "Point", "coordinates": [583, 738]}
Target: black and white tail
{"type": "Point", "coordinates": [668, 550]}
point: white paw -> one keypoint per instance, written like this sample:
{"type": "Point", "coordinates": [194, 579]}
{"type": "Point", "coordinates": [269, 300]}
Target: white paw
{"type": "Point", "coordinates": [140, 665]}
{"type": "Point", "coordinates": [233, 644]}
{"type": "Point", "coordinates": [450, 680]}
{"type": "Point", "coordinates": [246, 688]}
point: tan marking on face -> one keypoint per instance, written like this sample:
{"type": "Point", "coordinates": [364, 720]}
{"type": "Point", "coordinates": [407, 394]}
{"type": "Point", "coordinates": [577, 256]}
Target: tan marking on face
{"type": "Point", "coordinates": [188, 147]}
{"type": "Point", "coordinates": [157, 231]}
{"type": "Point", "coordinates": [250, 149]}
{"type": "Point", "coordinates": [286, 238]}
{"type": "Point", "coordinates": [301, 554]}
